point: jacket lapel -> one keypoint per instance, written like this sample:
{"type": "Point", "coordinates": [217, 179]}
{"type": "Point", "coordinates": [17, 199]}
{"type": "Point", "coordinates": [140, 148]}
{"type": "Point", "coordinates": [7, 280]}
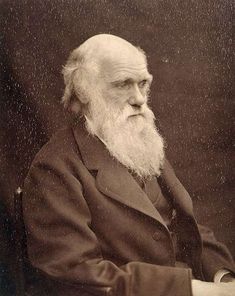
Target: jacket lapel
{"type": "Point", "coordinates": [113, 179]}
{"type": "Point", "coordinates": [176, 192]}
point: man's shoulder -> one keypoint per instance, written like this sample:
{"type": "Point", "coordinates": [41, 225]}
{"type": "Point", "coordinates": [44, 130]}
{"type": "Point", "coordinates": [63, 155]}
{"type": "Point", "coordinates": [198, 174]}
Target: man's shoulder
{"type": "Point", "coordinates": [61, 145]}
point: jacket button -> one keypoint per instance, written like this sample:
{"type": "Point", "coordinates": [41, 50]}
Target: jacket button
{"type": "Point", "coordinates": [109, 291]}
{"type": "Point", "coordinates": [158, 236]}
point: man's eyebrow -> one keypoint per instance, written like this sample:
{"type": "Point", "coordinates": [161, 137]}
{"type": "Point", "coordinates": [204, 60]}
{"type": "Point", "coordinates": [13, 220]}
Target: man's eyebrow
{"type": "Point", "coordinates": [147, 77]}
{"type": "Point", "coordinates": [123, 79]}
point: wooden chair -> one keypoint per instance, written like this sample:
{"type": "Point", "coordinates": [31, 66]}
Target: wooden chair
{"type": "Point", "coordinates": [19, 237]}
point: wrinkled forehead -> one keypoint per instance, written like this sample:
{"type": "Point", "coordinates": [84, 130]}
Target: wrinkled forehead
{"type": "Point", "coordinates": [123, 65]}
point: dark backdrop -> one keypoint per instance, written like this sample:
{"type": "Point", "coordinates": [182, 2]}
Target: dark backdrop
{"type": "Point", "coordinates": [189, 48]}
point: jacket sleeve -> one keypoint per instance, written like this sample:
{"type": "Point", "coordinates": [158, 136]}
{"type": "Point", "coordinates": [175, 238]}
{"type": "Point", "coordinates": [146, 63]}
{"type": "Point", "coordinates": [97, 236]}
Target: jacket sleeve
{"type": "Point", "coordinates": [62, 245]}
{"type": "Point", "coordinates": [215, 255]}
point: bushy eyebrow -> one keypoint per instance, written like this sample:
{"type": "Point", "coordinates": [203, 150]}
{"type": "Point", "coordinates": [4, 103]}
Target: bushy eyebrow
{"type": "Point", "coordinates": [130, 80]}
{"type": "Point", "coordinates": [126, 80]}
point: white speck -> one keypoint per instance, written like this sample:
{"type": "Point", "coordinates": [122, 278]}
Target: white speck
{"type": "Point", "coordinates": [165, 60]}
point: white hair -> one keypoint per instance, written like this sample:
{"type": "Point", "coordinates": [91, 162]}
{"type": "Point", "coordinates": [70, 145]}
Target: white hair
{"type": "Point", "coordinates": [78, 72]}
{"type": "Point", "coordinates": [82, 68]}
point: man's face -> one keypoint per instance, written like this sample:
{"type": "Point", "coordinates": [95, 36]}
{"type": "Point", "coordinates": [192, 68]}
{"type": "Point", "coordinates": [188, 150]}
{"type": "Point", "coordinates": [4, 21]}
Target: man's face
{"type": "Point", "coordinates": [124, 84]}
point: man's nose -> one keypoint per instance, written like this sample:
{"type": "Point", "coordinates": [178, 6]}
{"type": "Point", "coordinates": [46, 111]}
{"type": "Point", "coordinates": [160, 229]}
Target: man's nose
{"type": "Point", "coordinates": [137, 99]}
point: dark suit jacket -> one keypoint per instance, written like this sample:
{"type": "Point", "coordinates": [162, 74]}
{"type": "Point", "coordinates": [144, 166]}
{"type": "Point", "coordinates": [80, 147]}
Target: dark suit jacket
{"type": "Point", "coordinates": [93, 231]}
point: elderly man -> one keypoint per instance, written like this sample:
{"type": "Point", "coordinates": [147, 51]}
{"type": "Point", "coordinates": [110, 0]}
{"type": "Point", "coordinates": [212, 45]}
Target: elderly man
{"type": "Point", "coordinates": [105, 213]}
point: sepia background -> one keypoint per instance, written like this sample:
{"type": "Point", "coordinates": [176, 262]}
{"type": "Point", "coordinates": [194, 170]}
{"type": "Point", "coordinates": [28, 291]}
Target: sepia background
{"type": "Point", "coordinates": [189, 49]}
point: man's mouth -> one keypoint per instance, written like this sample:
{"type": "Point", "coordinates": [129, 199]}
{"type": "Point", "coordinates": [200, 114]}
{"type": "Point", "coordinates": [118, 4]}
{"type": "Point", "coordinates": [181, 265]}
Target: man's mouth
{"type": "Point", "coordinates": [136, 114]}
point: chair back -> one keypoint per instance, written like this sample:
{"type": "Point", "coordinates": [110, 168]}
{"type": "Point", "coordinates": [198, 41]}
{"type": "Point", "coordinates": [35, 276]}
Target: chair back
{"type": "Point", "coordinates": [20, 243]}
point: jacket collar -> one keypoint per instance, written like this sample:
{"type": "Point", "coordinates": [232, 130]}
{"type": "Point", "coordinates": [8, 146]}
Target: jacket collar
{"type": "Point", "coordinates": [114, 180]}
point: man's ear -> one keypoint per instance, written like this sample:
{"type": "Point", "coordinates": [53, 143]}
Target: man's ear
{"type": "Point", "coordinates": [81, 96]}
{"type": "Point", "coordinates": [75, 107]}
{"type": "Point", "coordinates": [75, 104]}
{"type": "Point", "coordinates": [80, 84]}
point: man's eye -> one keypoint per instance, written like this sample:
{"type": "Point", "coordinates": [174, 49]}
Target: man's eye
{"type": "Point", "coordinates": [123, 84]}
{"type": "Point", "coordinates": [143, 83]}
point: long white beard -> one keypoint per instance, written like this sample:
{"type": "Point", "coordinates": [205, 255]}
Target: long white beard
{"type": "Point", "coordinates": [133, 141]}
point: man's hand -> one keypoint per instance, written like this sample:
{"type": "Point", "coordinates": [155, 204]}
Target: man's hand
{"type": "Point", "coordinates": [200, 288]}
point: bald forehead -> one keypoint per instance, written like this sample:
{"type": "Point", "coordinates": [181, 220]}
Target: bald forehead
{"type": "Point", "coordinates": [105, 49]}
{"type": "Point", "coordinates": [108, 44]}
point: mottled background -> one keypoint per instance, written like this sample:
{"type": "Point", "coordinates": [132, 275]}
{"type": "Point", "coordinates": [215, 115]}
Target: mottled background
{"type": "Point", "coordinates": [189, 47]}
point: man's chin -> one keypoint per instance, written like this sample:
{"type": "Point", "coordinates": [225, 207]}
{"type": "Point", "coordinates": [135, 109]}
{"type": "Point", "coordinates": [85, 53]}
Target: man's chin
{"type": "Point", "coordinates": [139, 122]}
{"type": "Point", "coordinates": [136, 123]}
